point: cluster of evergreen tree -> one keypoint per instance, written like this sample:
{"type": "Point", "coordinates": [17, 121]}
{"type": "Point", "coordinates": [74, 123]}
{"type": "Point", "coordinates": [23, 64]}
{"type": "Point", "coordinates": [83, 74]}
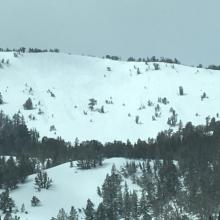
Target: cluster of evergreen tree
{"type": "Point", "coordinates": [174, 189]}
{"type": "Point", "coordinates": [112, 57]}
{"type": "Point", "coordinates": [154, 59]}
{"type": "Point", "coordinates": [16, 139]}
{"type": "Point", "coordinates": [30, 50]}
{"type": "Point", "coordinates": [6, 202]}
{"type": "Point", "coordinates": [14, 171]}
{"type": "Point", "coordinates": [42, 181]}
{"type": "Point", "coordinates": [89, 154]}
{"type": "Point", "coordinates": [62, 215]}
{"type": "Point", "coordinates": [214, 67]}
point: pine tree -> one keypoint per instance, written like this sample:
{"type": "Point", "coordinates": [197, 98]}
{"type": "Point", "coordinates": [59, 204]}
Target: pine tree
{"type": "Point", "coordinates": [143, 207]}
{"type": "Point", "coordinates": [62, 215]}
{"type": "Point", "coordinates": [8, 216]}
{"type": "Point", "coordinates": [6, 203]}
{"type": "Point", "coordinates": [126, 203]}
{"type": "Point", "coordinates": [73, 214]}
{"type": "Point", "coordinates": [35, 201]}
{"type": "Point", "coordinates": [42, 181]}
{"type": "Point", "coordinates": [92, 103]}
{"type": "Point", "coordinates": [22, 208]}
{"type": "Point", "coordinates": [134, 205]}
{"type": "Point", "coordinates": [181, 91]}
{"type": "Point", "coordinates": [89, 211]}
{"type": "Point", "coordinates": [1, 99]}
{"type": "Point", "coordinates": [28, 105]}
{"type": "Point", "coordinates": [100, 213]}
{"type": "Point", "coordinates": [112, 195]}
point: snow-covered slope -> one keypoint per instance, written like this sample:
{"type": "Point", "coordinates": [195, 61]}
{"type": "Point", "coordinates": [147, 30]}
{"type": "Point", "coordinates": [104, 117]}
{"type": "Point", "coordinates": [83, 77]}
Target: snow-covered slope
{"type": "Point", "coordinates": [71, 187]}
{"type": "Point", "coordinates": [75, 79]}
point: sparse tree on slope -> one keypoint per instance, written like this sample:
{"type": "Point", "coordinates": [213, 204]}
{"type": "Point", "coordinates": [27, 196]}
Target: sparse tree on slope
{"type": "Point", "coordinates": [28, 105]}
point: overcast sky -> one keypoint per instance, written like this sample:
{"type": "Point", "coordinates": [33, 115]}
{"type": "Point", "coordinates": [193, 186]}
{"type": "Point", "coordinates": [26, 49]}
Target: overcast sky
{"type": "Point", "coordinates": [186, 29]}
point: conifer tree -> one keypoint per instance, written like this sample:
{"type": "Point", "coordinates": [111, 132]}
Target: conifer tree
{"type": "Point", "coordinates": [100, 213]}
{"type": "Point", "coordinates": [134, 205]}
{"type": "Point", "coordinates": [35, 201]}
{"type": "Point", "coordinates": [73, 214]}
{"type": "Point", "coordinates": [1, 99]}
{"type": "Point", "coordinates": [6, 202]}
{"type": "Point", "coordinates": [89, 211]}
{"type": "Point", "coordinates": [28, 105]}
{"type": "Point", "coordinates": [62, 215]}
{"type": "Point", "coordinates": [126, 203]}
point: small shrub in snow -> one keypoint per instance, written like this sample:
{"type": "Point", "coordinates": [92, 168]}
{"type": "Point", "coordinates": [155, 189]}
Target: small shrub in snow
{"type": "Point", "coordinates": [109, 102]}
{"type": "Point", "coordinates": [35, 201]}
{"type": "Point", "coordinates": [163, 100]}
{"type": "Point", "coordinates": [31, 117]}
{"type": "Point", "coordinates": [52, 128]}
{"type": "Point", "coordinates": [51, 93]}
{"type": "Point", "coordinates": [108, 69]}
{"type": "Point", "coordinates": [102, 110]}
{"type": "Point", "coordinates": [181, 91]}
{"type": "Point", "coordinates": [150, 103]}
{"type": "Point", "coordinates": [138, 71]}
{"type": "Point", "coordinates": [28, 105]}
{"type": "Point", "coordinates": [40, 112]}
{"type": "Point", "coordinates": [137, 120]}
{"type": "Point", "coordinates": [172, 120]}
{"type": "Point", "coordinates": [141, 107]}
{"type": "Point", "coordinates": [156, 66]}
{"type": "Point", "coordinates": [15, 55]}
{"type": "Point", "coordinates": [23, 208]}
{"type": "Point", "coordinates": [204, 96]}
{"type": "Point", "coordinates": [92, 103]}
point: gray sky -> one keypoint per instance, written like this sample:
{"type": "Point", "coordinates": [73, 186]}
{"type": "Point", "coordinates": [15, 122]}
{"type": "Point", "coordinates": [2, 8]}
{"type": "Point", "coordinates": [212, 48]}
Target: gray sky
{"type": "Point", "coordinates": [186, 29]}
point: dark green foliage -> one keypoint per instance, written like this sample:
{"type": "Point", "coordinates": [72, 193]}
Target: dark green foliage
{"type": "Point", "coordinates": [28, 105]}
{"type": "Point", "coordinates": [92, 103]}
{"type": "Point", "coordinates": [90, 154]}
{"type": "Point", "coordinates": [181, 91]}
{"type": "Point", "coordinates": [101, 212]}
{"type": "Point", "coordinates": [6, 203]}
{"type": "Point", "coordinates": [89, 211]}
{"type": "Point", "coordinates": [1, 99]}
{"type": "Point", "coordinates": [42, 181]}
{"type": "Point", "coordinates": [35, 201]}
{"type": "Point", "coordinates": [156, 66]}
{"type": "Point", "coordinates": [112, 195]}
{"type": "Point", "coordinates": [73, 214]}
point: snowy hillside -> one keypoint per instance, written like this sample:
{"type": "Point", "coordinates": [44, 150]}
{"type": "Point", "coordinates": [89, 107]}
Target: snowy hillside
{"type": "Point", "coordinates": [71, 187]}
{"type": "Point", "coordinates": [60, 86]}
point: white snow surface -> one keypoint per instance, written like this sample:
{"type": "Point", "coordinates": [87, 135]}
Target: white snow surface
{"type": "Point", "coordinates": [75, 79]}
